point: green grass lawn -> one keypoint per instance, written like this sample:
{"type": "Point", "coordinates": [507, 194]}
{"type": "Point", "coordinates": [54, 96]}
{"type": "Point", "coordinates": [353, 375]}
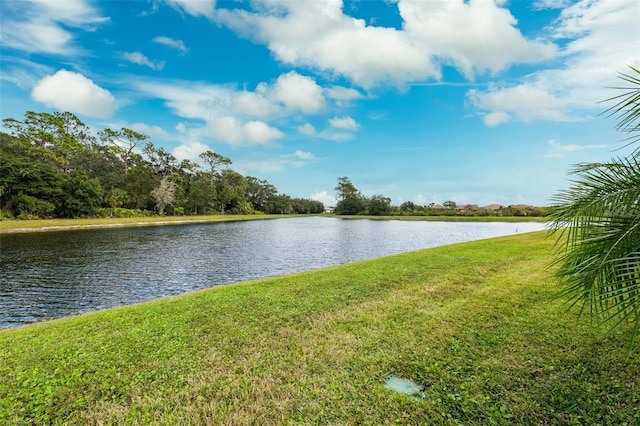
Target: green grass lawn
{"type": "Point", "coordinates": [477, 324]}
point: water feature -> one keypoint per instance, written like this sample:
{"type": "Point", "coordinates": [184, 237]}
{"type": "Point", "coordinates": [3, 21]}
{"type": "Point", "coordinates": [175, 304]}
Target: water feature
{"type": "Point", "coordinates": [45, 275]}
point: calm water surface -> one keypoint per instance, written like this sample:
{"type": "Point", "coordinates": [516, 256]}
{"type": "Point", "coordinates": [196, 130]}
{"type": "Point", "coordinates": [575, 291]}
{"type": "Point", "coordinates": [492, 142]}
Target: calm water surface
{"type": "Point", "coordinates": [48, 275]}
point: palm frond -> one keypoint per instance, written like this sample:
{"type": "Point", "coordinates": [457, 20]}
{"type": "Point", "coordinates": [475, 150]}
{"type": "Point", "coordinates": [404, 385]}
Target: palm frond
{"type": "Point", "coordinates": [598, 221]}
{"type": "Point", "coordinates": [627, 107]}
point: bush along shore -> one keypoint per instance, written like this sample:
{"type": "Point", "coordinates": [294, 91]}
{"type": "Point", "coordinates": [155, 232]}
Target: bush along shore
{"type": "Point", "coordinates": [476, 327]}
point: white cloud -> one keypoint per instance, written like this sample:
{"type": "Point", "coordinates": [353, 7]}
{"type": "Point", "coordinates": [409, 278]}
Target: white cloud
{"type": "Point", "coordinates": [150, 130]}
{"type": "Point", "coordinates": [495, 118]}
{"type": "Point", "coordinates": [23, 73]}
{"type": "Point", "coordinates": [299, 158]}
{"type": "Point", "coordinates": [70, 91]}
{"type": "Point", "coordinates": [41, 26]}
{"type": "Point", "coordinates": [229, 130]}
{"type": "Point", "coordinates": [181, 128]}
{"type": "Point", "coordinates": [296, 92]}
{"type": "Point", "coordinates": [307, 129]}
{"type": "Point", "coordinates": [190, 151]}
{"type": "Point", "coordinates": [603, 36]}
{"type": "Point", "coordinates": [345, 123]}
{"type": "Point", "coordinates": [335, 136]}
{"type": "Point", "coordinates": [140, 59]}
{"type": "Point", "coordinates": [324, 197]}
{"type": "Point", "coordinates": [550, 4]}
{"type": "Point", "coordinates": [254, 104]}
{"type": "Point", "coordinates": [204, 8]}
{"type": "Point", "coordinates": [343, 96]}
{"type": "Point", "coordinates": [558, 150]}
{"type": "Point", "coordinates": [189, 99]}
{"type": "Point", "coordinates": [420, 200]}
{"type": "Point", "coordinates": [476, 36]}
{"type": "Point", "coordinates": [172, 43]}
{"type": "Point", "coordinates": [303, 155]}
{"type": "Point", "coordinates": [525, 102]}
{"type": "Point", "coordinates": [290, 93]}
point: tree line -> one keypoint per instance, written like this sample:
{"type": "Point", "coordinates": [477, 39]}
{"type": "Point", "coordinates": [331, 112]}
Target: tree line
{"type": "Point", "coordinates": [53, 166]}
{"type": "Point", "coordinates": [350, 201]}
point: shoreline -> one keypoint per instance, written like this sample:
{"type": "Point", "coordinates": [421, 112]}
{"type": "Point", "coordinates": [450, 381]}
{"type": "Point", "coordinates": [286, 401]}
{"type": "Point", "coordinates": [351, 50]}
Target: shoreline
{"type": "Point", "coordinates": [125, 224]}
{"type": "Point", "coordinates": [42, 225]}
{"type": "Point", "coordinates": [111, 225]}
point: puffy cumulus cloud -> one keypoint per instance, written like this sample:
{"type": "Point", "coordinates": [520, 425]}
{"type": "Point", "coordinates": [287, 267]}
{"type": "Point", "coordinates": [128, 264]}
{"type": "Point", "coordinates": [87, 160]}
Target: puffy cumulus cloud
{"type": "Point", "coordinates": [255, 104]}
{"type": "Point", "coordinates": [290, 93]}
{"type": "Point", "coordinates": [319, 35]}
{"type": "Point", "coordinates": [140, 59]}
{"type": "Point", "coordinates": [70, 91]}
{"type": "Point", "coordinates": [296, 92]}
{"type": "Point", "coordinates": [493, 119]}
{"type": "Point", "coordinates": [42, 26]}
{"type": "Point", "coordinates": [343, 96]}
{"type": "Point", "coordinates": [475, 36]}
{"type": "Point", "coordinates": [172, 43]}
{"type": "Point", "coordinates": [190, 151]}
{"type": "Point", "coordinates": [229, 130]}
{"type": "Point", "coordinates": [345, 123]}
{"type": "Point", "coordinates": [602, 34]}
{"type": "Point", "coordinates": [525, 102]}
{"type": "Point", "coordinates": [307, 129]}
{"type": "Point", "coordinates": [324, 197]}
{"type": "Point", "coordinates": [204, 8]}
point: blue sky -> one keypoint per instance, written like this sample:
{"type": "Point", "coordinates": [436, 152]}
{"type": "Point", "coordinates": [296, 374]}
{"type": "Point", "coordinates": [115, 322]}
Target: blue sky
{"type": "Point", "coordinates": [425, 101]}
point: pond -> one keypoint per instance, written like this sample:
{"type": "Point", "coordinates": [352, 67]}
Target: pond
{"type": "Point", "coordinates": [46, 275]}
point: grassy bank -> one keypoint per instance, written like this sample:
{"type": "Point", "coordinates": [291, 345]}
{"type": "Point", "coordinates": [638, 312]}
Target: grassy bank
{"type": "Point", "coordinates": [476, 324]}
{"type": "Point", "coordinates": [8, 226]}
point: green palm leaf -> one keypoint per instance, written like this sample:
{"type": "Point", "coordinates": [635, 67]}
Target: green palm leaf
{"type": "Point", "coordinates": [597, 220]}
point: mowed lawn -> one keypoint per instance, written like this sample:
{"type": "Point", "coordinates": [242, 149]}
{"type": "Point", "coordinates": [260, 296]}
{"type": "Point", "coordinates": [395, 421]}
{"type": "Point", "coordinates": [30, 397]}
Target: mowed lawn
{"type": "Point", "coordinates": [478, 325]}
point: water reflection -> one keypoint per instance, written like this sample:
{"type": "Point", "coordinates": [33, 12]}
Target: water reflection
{"type": "Point", "coordinates": [55, 274]}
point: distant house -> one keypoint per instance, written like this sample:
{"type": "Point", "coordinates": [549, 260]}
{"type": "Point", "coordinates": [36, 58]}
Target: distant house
{"type": "Point", "coordinates": [522, 206]}
{"type": "Point", "coordinates": [492, 207]}
{"type": "Point", "coordinates": [437, 206]}
{"type": "Point", "coordinates": [329, 209]}
{"type": "Point", "coordinates": [468, 207]}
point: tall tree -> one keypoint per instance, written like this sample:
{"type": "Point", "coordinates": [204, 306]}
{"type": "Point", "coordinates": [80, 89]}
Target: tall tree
{"type": "Point", "coordinates": [215, 161]}
{"type": "Point", "coordinates": [162, 162]}
{"type": "Point", "coordinates": [164, 194]}
{"type": "Point", "coordinates": [81, 196]}
{"type": "Point", "coordinates": [597, 220]}
{"type": "Point", "coordinates": [55, 138]}
{"type": "Point", "coordinates": [350, 200]}
{"type": "Point", "coordinates": [123, 142]}
{"type": "Point", "coordinates": [231, 193]}
{"type": "Point", "coordinates": [379, 205]}
{"type": "Point", "coordinates": [258, 192]}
